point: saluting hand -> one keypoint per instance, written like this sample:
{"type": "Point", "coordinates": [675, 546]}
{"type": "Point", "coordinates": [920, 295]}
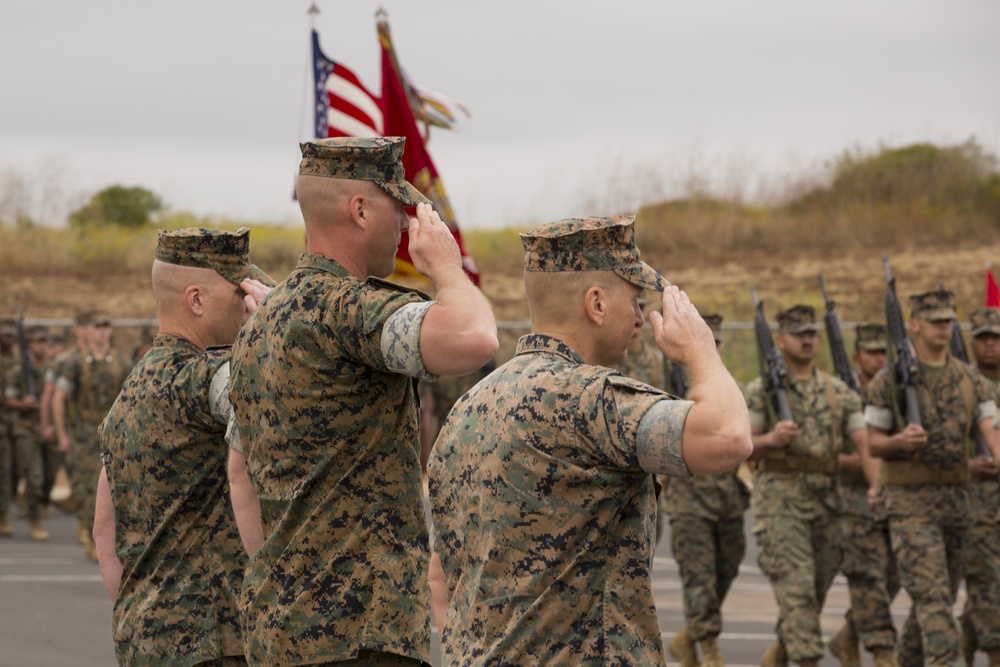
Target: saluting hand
{"type": "Point", "coordinates": [432, 246]}
{"type": "Point", "coordinates": [680, 332]}
{"type": "Point", "coordinates": [255, 293]}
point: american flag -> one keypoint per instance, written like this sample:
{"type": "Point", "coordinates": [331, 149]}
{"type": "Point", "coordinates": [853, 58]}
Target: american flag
{"type": "Point", "coordinates": [344, 107]}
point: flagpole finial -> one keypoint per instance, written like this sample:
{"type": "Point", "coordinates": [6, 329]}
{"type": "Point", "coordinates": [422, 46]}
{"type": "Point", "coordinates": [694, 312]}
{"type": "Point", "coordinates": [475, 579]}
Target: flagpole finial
{"type": "Point", "coordinates": [313, 10]}
{"type": "Point", "coordinates": [381, 15]}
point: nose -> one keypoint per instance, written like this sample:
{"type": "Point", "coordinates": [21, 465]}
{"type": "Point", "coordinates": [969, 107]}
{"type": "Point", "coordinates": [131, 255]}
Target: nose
{"type": "Point", "coordinates": [404, 221]}
{"type": "Point", "coordinates": [640, 318]}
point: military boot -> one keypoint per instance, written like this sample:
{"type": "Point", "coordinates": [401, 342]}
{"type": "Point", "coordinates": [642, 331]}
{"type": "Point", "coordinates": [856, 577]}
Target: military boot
{"type": "Point", "coordinates": [776, 656]}
{"type": "Point", "coordinates": [710, 654]}
{"type": "Point", "coordinates": [994, 657]}
{"type": "Point", "coordinates": [36, 531]}
{"type": "Point", "coordinates": [682, 648]}
{"type": "Point", "coordinates": [5, 529]}
{"type": "Point", "coordinates": [884, 657]}
{"type": "Point", "coordinates": [844, 646]}
{"type": "Point", "coordinates": [91, 550]}
{"type": "Point", "coordinates": [82, 536]}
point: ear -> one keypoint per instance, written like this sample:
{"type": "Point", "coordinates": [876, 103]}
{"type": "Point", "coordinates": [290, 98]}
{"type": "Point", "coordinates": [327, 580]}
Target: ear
{"type": "Point", "coordinates": [194, 297]}
{"type": "Point", "coordinates": [914, 325]}
{"type": "Point", "coordinates": [595, 304]}
{"type": "Point", "coordinates": [358, 209]}
{"type": "Point", "coordinates": [779, 341]}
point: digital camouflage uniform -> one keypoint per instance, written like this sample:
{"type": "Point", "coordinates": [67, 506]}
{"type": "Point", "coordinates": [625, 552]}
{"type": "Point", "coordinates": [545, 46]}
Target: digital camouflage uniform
{"type": "Point", "coordinates": [707, 539]}
{"type": "Point", "coordinates": [868, 561]}
{"type": "Point", "coordinates": [645, 365]}
{"type": "Point", "coordinates": [981, 615]}
{"type": "Point", "coordinates": [543, 517]}
{"type": "Point", "coordinates": [926, 494]}
{"type": "Point", "coordinates": [795, 501]}
{"type": "Point", "coordinates": [336, 467]}
{"type": "Point", "coordinates": [92, 384]}
{"type": "Point", "coordinates": [33, 457]}
{"type": "Point", "coordinates": [165, 454]}
{"type": "Point", "coordinates": [53, 370]}
{"type": "Point", "coordinates": [325, 404]}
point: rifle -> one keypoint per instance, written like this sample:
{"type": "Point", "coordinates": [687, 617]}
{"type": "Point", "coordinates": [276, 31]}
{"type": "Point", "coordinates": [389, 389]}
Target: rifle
{"type": "Point", "coordinates": [772, 365]}
{"type": "Point", "coordinates": [841, 363]}
{"type": "Point", "coordinates": [27, 364]}
{"type": "Point", "coordinates": [901, 355]}
{"type": "Point", "coordinates": [960, 352]}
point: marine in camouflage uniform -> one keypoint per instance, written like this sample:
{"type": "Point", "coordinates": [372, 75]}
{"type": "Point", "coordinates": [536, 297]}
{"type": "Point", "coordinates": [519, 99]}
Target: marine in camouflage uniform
{"type": "Point", "coordinates": [33, 457]}
{"type": "Point", "coordinates": [8, 332]}
{"type": "Point", "coordinates": [708, 543]}
{"type": "Point", "coordinates": [168, 539]}
{"type": "Point", "coordinates": [980, 620]}
{"type": "Point", "coordinates": [924, 478]}
{"type": "Point", "coordinates": [795, 501]}
{"type": "Point", "coordinates": [542, 479]}
{"type": "Point", "coordinates": [90, 382]}
{"type": "Point", "coordinates": [868, 562]}
{"type": "Point", "coordinates": [325, 406]}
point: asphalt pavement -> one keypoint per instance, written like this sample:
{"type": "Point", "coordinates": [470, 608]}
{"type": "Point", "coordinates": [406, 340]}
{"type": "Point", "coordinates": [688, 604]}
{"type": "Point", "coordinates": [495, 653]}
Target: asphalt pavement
{"type": "Point", "coordinates": [54, 611]}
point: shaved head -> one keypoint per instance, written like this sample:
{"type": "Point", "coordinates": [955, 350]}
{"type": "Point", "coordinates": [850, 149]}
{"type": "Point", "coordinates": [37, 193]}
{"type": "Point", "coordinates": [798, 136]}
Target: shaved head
{"type": "Point", "coordinates": [171, 280]}
{"type": "Point", "coordinates": [557, 296]}
{"type": "Point", "coordinates": [323, 200]}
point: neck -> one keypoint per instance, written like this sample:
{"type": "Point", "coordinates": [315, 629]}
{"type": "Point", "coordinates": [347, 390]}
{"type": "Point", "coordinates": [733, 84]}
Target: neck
{"type": "Point", "coordinates": [182, 329]}
{"type": "Point", "coordinates": [932, 355]}
{"type": "Point", "coordinates": [992, 372]}
{"type": "Point", "coordinates": [800, 370]}
{"type": "Point", "coordinates": [99, 349]}
{"type": "Point", "coordinates": [577, 343]}
{"type": "Point", "coordinates": [339, 250]}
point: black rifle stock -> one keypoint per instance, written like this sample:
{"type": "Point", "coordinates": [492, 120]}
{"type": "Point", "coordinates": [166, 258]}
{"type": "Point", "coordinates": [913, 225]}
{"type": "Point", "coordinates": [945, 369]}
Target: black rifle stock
{"type": "Point", "coordinates": [960, 352]}
{"type": "Point", "coordinates": [841, 363]}
{"type": "Point", "coordinates": [27, 364]}
{"type": "Point", "coordinates": [772, 365]}
{"type": "Point", "coordinates": [901, 354]}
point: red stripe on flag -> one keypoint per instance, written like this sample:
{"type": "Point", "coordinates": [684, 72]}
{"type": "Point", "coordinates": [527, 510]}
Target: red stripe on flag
{"type": "Point", "coordinates": [992, 291]}
{"type": "Point", "coordinates": [345, 107]}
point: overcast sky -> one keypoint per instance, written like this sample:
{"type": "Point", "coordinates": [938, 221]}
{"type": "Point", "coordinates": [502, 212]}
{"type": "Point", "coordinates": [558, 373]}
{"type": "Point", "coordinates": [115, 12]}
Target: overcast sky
{"type": "Point", "coordinates": [577, 105]}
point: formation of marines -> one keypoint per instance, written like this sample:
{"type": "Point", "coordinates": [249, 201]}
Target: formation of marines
{"type": "Point", "coordinates": [259, 472]}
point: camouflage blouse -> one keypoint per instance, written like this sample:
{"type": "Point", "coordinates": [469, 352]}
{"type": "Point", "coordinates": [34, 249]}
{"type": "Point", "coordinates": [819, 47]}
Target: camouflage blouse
{"type": "Point", "coordinates": [949, 422]}
{"type": "Point", "coordinates": [823, 408]}
{"type": "Point", "coordinates": [324, 399]}
{"type": "Point", "coordinates": [175, 534]}
{"type": "Point", "coordinates": [543, 519]}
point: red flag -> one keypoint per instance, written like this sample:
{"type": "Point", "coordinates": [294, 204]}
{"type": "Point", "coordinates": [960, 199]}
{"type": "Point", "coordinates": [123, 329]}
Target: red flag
{"type": "Point", "coordinates": [399, 121]}
{"type": "Point", "coordinates": [992, 292]}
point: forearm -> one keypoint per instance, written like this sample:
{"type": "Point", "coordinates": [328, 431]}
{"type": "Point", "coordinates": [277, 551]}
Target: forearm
{"type": "Point", "coordinates": [439, 591]}
{"type": "Point", "coordinates": [990, 437]}
{"type": "Point", "coordinates": [246, 505]}
{"type": "Point", "coordinates": [717, 429]}
{"type": "Point", "coordinates": [459, 332]}
{"type": "Point", "coordinates": [104, 537]}
{"type": "Point", "coordinates": [59, 413]}
{"type": "Point", "coordinates": [881, 444]}
{"type": "Point", "coordinates": [45, 413]}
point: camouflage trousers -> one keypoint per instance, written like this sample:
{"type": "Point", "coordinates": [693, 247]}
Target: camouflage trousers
{"type": "Point", "coordinates": [929, 555]}
{"type": "Point", "coordinates": [708, 554]}
{"type": "Point", "coordinates": [981, 615]}
{"type": "Point", "coordinates": [872, 579]}
{"type": "Point", "coordinates": [37, 463]}
{"type": "Point", "coordinates": [85, 470]}
{"type": "Point", "coordinates": [800, 558]}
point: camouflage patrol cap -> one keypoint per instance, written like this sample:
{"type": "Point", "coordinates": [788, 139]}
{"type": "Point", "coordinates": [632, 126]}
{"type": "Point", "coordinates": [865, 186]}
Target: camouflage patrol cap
{"type": "Point", "coordinates": [933, 306]}
{"type": "Point", "coordinates": [226, 253]}
{"type": "Point", "coordinates": [377, 159]}
{"type": "Point", "coordinates": [100, 320]}
{"type": "Point", "coordinates": [985, 320]}
{"type": "Point", "coordinates": [798, 319]}
{"type": "Point", "coordinates": [590, 244]}
{"type": "Point", "coordinates": [8, 327]}
{"type": "Point", "coordinates": [870, 336]}
{"type": "Point", "coordinates": [714, 322]}
{"type": "Point", "coordinates": [36, 335]}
